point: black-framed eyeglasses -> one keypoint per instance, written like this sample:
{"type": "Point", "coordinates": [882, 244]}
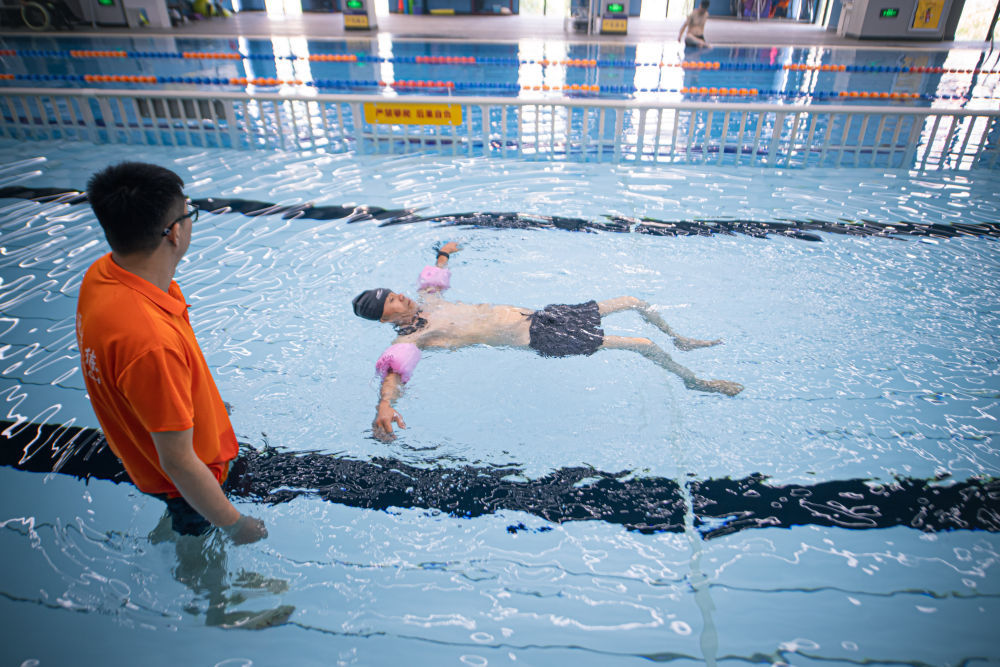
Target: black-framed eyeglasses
{"type": "Point", "coordinates": [192, 213]}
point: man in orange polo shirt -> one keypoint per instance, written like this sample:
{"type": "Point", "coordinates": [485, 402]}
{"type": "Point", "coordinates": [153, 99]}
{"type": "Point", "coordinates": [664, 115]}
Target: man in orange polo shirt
{"type": "Point", "coordinates": [148, 381]}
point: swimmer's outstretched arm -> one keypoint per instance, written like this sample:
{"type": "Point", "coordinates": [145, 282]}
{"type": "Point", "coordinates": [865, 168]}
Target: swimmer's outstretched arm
{"type": "Point", "coordinates": [395, 366]}
{"type": "Point", "coordinates": [385, 414]}
{"type": "Point", "coordinates": [443, 253]}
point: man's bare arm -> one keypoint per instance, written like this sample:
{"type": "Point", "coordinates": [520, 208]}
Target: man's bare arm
{"type": "Point", "coordinates": [447, 248]}
{"type": "Point", "coordinates": [385, 414]}
{"type": "Point", "coordinates": [199, 487]}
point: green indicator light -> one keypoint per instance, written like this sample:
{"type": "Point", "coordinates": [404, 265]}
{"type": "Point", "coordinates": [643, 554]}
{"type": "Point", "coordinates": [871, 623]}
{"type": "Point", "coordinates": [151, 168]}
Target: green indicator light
{"type": "Point", "coordinates": [889, 13]}
{"type": "Point", "coordinates": [355, 4]}
{"type": "Point", "coordinates": [616, 8]}
{"type": "Point", "coordinates": [106, 3]}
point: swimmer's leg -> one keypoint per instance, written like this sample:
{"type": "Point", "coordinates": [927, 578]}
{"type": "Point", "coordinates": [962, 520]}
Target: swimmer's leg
{"type": "Point", "coordinates": [621, 303]}
{"type": "Point", "coordinates": [654, 353]}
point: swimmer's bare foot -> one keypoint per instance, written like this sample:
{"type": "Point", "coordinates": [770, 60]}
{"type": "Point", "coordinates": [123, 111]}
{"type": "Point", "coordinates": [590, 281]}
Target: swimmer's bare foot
{"type": "Point", "coordinates": [683, 343]}
{"type": "Point", "coordinates": [719, 386]}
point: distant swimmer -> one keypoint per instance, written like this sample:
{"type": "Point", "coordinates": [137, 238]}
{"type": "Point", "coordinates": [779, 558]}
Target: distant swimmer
{"type": "Point", "coordinates": [554, 331]}
{"type": "Point", "coordinates": [695, 26]}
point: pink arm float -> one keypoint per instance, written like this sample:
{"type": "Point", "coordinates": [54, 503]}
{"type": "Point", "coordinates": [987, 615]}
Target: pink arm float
{"type": "Point", "coordinates": [400, 358]}
{"type": "Point", "coordinates": [434, 278]}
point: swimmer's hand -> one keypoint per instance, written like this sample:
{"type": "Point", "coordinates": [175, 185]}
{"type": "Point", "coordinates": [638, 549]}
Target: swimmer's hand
{"type": "Point", "coordinates": [449, 247]}
{"type": "Point", "coordinates": [382, 426]}
{"type": "Point", "coordinates": [247, 529]}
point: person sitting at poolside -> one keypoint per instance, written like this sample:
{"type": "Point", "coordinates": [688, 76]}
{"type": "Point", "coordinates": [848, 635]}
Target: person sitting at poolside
{"type": "Point", "coordinates": [555, 331]}
{"type": "Point", "coordinates": [695, 26]}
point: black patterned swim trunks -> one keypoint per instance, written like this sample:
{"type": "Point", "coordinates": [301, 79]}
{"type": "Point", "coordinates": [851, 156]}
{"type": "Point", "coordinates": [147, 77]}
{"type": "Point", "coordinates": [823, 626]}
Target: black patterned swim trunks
{"type": "Point", "coordinates": [561, 330]}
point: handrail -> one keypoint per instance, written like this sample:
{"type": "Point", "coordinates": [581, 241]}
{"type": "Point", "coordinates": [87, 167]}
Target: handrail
{"type": "Point", "coordinates": [493, 100]}
{"type": "Point", "coordinates": [552, 128]}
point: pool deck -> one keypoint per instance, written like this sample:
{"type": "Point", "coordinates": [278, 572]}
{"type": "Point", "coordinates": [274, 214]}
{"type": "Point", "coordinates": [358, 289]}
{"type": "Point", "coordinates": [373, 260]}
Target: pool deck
{"type": "Point", "coordinates": [499, 28]}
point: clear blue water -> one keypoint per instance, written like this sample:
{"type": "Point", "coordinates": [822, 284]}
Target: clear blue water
{"type": "Point", "coordinates": [623, 71]}
{"type": "Point", "coordinates": [863, 358]}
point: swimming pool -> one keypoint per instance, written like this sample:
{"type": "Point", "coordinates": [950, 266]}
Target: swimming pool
{"type": "Point", "coordinates": [869, 361]}
{"type": "Point", "coordinates": [648, 106]}
{"type": "Point", "coordinates": [957, 78]}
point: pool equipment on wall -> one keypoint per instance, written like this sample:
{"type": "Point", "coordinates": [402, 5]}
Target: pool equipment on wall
{"type": "Point", "coordinates": [135, 13]}
{"type": "Point", "coordinates": [614, 17]}
{"type": "Point", "coordinates": [888, 19]}
{"type": "Point", "coordinates": [359, 15]}
{"type": "Point", "coordinates": [31, 14]}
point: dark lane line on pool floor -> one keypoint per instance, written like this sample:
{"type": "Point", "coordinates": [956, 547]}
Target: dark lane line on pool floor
{"type": "Point", "coordinates": [804, 230]}
{"type": "Point", "coordinates": [643, 504]}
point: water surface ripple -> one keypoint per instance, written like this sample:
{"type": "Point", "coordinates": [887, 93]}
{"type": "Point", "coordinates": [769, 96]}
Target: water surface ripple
{"type": "Point", "coordinates": [864, 358]}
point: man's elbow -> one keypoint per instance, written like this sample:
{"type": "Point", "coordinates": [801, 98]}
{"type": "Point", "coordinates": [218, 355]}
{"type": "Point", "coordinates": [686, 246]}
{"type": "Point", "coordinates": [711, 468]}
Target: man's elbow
{"type": "Point", "coordinates": [173, 465]}
{"type": "Point", "coordinates": [175, 460]}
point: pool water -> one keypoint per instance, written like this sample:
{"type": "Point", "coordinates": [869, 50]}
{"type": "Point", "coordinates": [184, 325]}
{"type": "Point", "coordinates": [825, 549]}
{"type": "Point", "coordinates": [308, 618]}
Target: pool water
{"type": "Point", "coordinates": [530, 67]}
{"type": "Point", "coordinates": [864, 358]}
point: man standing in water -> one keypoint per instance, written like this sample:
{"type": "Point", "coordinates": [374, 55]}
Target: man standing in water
{"type": "Point", "coordinates": [555, 331]}
{"type": "Point", "coordinates": [148, 382]}
{"type": "Point", "coordinates": [695, 26]}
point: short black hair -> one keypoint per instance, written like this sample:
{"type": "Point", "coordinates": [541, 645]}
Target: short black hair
{"type": "Point", "coordinates": [132, 201]}
{"type": "Point", "coordinates": [705, 4]}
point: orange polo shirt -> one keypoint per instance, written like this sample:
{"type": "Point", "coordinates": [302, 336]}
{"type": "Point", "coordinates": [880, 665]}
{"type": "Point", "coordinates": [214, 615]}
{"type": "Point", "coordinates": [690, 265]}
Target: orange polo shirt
{"type": "Point", "coordinates": [145, 373]}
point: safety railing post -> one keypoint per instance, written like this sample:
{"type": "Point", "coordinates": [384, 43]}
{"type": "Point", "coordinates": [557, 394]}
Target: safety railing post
{"type": "Point", "coordinates": [109, 121]}
{"type": "Point", "coordinates": [772, 150]}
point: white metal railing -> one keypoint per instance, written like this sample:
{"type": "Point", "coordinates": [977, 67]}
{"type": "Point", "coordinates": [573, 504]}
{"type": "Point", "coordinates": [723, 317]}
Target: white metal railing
{"type": "Point", "coordinates": [571, 129]}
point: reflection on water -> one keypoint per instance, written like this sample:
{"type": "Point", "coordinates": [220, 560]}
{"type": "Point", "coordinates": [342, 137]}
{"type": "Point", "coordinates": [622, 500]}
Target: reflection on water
{"type": "Point", "coordinates": [652, 71]}
{"type": "Point", "coordinates": [642, 503]}
{"type": "Point", "coordinates": [203, 568]}
{"type": "Point", "coordinates": [869, 356]}
{"type": "Point", "coordinates": [865, 358]}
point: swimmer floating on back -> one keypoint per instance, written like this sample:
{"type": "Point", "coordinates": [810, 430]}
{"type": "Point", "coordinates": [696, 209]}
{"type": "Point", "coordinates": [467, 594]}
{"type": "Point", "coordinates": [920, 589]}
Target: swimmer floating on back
{"type": "Point", "coordinates": [555, 331]}
{"type": "Point", "coordinates": [695, 26]}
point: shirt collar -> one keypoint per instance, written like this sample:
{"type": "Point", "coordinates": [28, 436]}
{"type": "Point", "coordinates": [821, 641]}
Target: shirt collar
{"type": "Point", "coordinates": [172, 302]}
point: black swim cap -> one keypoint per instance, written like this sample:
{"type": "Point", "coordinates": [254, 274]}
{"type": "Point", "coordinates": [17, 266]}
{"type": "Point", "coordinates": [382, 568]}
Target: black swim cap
{"type": "Point", "coordinates": [370, 303]}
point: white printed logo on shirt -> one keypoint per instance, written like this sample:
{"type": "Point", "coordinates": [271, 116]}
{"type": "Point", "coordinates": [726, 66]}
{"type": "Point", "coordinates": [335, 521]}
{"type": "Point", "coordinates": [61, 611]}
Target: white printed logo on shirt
{"type": "Point", "coordinates": [89, 357]}
{"type": "Point", "coordinates": [90, 365]}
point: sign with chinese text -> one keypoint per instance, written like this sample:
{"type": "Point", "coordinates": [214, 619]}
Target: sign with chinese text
{"type": "Point", "coordinates": [404, 113]}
